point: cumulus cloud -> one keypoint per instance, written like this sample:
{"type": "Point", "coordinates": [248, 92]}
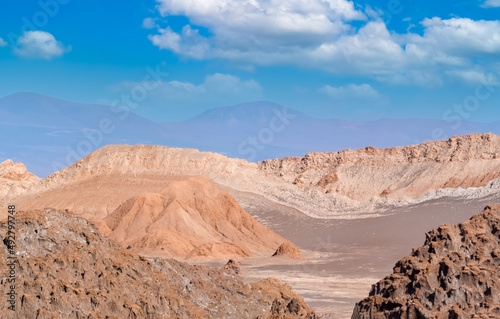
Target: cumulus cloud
{"type": "Point", "coordinates": [351, 91]}
{"type": "Point", "coordinates": [475, 77]}
{"type": "Point", "coordinates": [459, 37]}
{"type": "Point", "coordinates": [188, 43]}
{"type": "Point", "coordinates": [39, 44]}
{"type": "Point", "coordinates": [3, 43]}
{"type": "Point", "coordinates": [319, 34]}
{"type": "Point", "coordinates": [246, 25]}
{"type": "Point", "coordinates": [491, 4]}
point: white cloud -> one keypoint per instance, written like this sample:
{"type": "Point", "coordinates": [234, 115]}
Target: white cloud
{"type": "Point", "coordinates": [245, 25]}
{"type": "Point", "coordinates": [459, 37]}
{"type": "Point", "coordinates": [189, 43]}
{"type": "Point", "coordinates": [351, 91]}
{"type": "Point", "coordinates": [475, 77]}
{"type": "Point", "coordinates": [491, 4]}
{"type": "Point", "coordinates": [318, 34]}
{"type": "Point", "coordinates": [148, 23]}
{"type": "Point", "coordinates": [39, 44]}
{"type": "Point", "coordinates": [3, 43]}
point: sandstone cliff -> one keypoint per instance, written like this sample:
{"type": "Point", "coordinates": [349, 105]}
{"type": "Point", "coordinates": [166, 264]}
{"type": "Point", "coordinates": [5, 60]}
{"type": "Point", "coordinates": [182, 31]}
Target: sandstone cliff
{"type": "Point", "coordinates": [399, 172]}
{"type": "Point", "coordinates": [455, 274]}
{"type": "Point", "coordinates": [67, 269]}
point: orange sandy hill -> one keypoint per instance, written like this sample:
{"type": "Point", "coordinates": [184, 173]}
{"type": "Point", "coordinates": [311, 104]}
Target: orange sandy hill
{"type": "Point", "coordinates": [190, 218]}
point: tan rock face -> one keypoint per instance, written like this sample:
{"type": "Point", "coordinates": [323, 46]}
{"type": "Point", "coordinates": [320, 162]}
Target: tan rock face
{"type": "Point", "coordinates": [345, 184]}
{"type": "Point", "coordinates": [14, 180]}
{"type": "Point", "coordinates": [67, 269]}
{"type": "Point", "coordinates": [191, 218]}
{"type": "Point", "coordinates": [16, 172]}
{"type": "Point", "coordinates": [456, 274]}
{"type": "Point", "coordinates": [411, 171]}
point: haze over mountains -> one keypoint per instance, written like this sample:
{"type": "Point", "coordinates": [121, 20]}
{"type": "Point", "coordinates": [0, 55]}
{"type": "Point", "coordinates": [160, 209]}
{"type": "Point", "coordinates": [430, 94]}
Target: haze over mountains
{"type": "Point", "coordinates": [48, 134]}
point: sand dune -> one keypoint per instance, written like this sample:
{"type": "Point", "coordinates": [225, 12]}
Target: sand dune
{"type": "Point", "coordinates": [191, 218]}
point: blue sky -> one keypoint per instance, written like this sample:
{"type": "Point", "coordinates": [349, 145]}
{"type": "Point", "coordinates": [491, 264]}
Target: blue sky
{"type": "Point", "coordinates": [329, 58]}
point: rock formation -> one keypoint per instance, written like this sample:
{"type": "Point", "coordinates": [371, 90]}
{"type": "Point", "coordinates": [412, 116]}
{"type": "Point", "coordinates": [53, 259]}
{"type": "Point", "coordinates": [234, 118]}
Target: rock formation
{"type": "Point", "coordinates": [288, 250]}
{"type": "Point", "coordinates": [67, 269]}
{"type": "Point", "coordinates": [191, 218]}
{"type": "Point", "coordinates": [14, 180]}
{"type": "Point", "coordinates": [455, 274]}
{"type": "Point", "coordinates": [232, 267]}
{"type": "Point", "coordinates": [399, 172]}
{"type": "Point", "coordinates": [345, 184]}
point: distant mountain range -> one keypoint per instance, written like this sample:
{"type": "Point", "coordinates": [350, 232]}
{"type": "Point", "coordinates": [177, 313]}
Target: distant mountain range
{"type": "Point", "coordinates": [48, 134]}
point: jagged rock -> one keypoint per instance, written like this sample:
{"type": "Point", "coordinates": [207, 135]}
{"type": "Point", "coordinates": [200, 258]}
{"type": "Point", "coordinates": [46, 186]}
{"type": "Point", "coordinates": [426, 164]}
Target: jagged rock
{"type": "Point", "coordinates": [232, 267]}
{"type": "Point", "coordinates": [14, 180]}
{"type": "Point", "coordinates": [288, 249]}
{"type": "Point", "coordinates": [455, 274]}
{"type": "Point", "coordinates": [67, 269]}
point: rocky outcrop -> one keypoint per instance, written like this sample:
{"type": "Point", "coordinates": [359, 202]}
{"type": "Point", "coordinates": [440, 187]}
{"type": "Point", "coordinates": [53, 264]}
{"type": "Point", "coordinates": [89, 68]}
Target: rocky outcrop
{"type": "Point", "coordinates": [232, 267]}
{"type": "Point", "coordinates": [67, 269]}
{"type": "Point", "coordinates": [455, 274]}
{"type": "Point", "coordinates": [396, 173]}
{"type": "Point", "coordinates": [14, 180]}
{"type": "Point", "coordinates": [288, 249]}
{"type": "Point", "coordinates": [190, 218]}
{"type": "Point", "coordinates": [345, 184]}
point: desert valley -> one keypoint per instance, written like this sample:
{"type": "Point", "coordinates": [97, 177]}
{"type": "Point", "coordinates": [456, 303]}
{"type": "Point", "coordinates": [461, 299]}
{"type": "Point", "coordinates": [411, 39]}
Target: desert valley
{"type": "Point", "coordinates": [156, 232]}
{"type": "Point", "coordinates": [250, 159]}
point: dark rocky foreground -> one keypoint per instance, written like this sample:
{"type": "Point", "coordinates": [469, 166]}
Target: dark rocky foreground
{"type": "Point", "coordinates": [455, 274]}
{"type": "Point", "coordinates": [67, 269]}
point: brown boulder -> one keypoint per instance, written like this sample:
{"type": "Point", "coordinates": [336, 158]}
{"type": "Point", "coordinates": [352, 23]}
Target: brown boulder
{"type": "Point", "coordinates": [288, 249]}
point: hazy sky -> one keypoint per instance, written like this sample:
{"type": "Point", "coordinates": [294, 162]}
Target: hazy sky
{"type": "Point", "coordinates": [173, 59]}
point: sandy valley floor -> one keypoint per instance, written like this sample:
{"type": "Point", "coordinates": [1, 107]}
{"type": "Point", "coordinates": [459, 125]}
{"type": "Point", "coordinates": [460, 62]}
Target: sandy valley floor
{"type": "Point", "coordinates": [346, 256]}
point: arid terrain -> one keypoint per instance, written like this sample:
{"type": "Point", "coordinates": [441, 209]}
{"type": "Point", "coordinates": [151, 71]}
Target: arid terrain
{"type": "Point", "coordinates": [346, 184]}
{"type": "Point", "coordinates": [189, 219]}
{"type": "Point", "coordinates": [67, 269]}
{"type": "Point", "coordinates": [344, 218]}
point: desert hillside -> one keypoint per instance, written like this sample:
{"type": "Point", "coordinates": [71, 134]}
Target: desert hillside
{"type": "Point", "coordinates": [455, 274]}
{"type": "Point", "coordinates": [190, 218]}
{"type": "Point", "coordinates": [346, 184]}
{"type": "Point", "coordinates": [67, 269]}
{"type": "Point", "coordinates": [396, 173]}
